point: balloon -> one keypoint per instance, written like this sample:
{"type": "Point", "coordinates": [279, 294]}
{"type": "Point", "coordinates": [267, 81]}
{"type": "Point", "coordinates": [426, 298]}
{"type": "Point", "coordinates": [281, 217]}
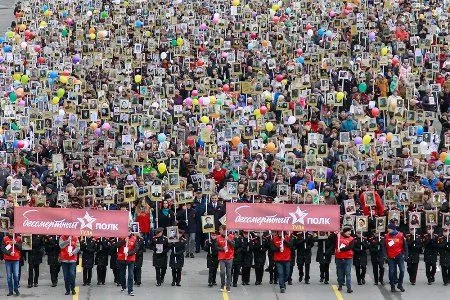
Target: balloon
{"type": "Point", "coordinates": [75, 59]}
{"type": "Point", "coordinates": [382, 139]}
{"type": "Point", "coordinates": [12, 97]}
{"type": "Point", "coordinates": [362, 87]}
{"type": "Point", "coordinates": [226, 88]}
{"type": "Point", "coordinates": [311, 185]}
{"type": "Point", "coordinates": [180, 42]}
{"type": "Point", "coordinates": [60, 92]}
{"type": "Point", "coordinates": [63, 79]}
{"type": "Point", "coordinates": [372, 35]}
{"type": "Point", "coordinates": [340, 96]}
{"type": "Point", "coordinates": [20, 144]}
{"type": "Point", "coordinates": [389, 136]}
{"type": "Point", "coordinates": [106, 126]}
{"type": "Point", "coordinates": [235, 2]}
{"type": "Point", "coordinates": [393, 86]}
{"type": "Point", "coordinates": [55, 100]}
{"type": "Point", "coordinates": [137, 78]}
{"type": "Point", "coordinates": [375, 112]}
{"type": "Point", "coordinates": [64, 32]}
{"type": "Point", "coordinates": [92, 36]}
{"type": "Point", "coordinates": [310, 32]}
{"type": "Point", "coordinates": [190, 141]}
{"type": "Point", "coordinates": [358, 140]}
{"type": "Point", "coordinates": [235, 141]}
{"type": "Point", "coordinates": [366, 139]}
{"type": "Point", "coordinates": [442, 156]}
{"type": "Point", "coordinates": [279, 77]}
{"type": "Point", "coordinates": [98, 131]}
{"type": "Point", "coordinates": [300, 60]}
{"type": "Point", "coordinates": [270, 147]}
{"type": "Point", "coordinates": [138, 24]}
{"type": "Point", "coordinates": [21, 103]}
{"type": "Point", "coordinates": [269, 126]}
{"type": "Point", "coordinates": [384, 51]}
{"type": "Point", "coordinates": [263, 110]}
{"type": "Point", "coordinates": [320, 32]}
{"type": "Point", "coordinates": [423, 147]}
{"type": "Point", "coordinates": [447, 160]}
{"type": "Point", "coordinates": [419, 130]}
{"type": "Point", "coordinates": [194, 93]}
{"type": "Point", "coordinates": [257, 112]}
{"type": "Point", "coordinates": [163, 55]}
{"type": "Point", "coordinates": [161, 137]}
{"type": "Point", "coordinates": [291, 120]}
{"type": "Point", "coordinates": [104, 14]}
{"type": "Point", "coordinates": [204, 119]}
{"type": "Point", "coordinates": [93, 125]}
{"type": "Point", "coordinates": [263, 135]}
{"type": "Point", "coordinates": [162, 168]}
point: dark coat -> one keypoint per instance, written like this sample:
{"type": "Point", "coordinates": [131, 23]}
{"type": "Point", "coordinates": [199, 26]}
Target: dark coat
{"type": "Point", "coordinates": [177, 253]}
{"type": "Point", "coordinates": [140, 247]}
{"type": "Point", "coordinates": [88, 249]}
{"type": "Point", "coordinates": [444, 251]}
{"type": "Point", "coordinates": [217, 212]}
{"type": "Point", "coordinates": [414, 248]}
{"type": "Point", "coordinates": [430, 252]}
{"type": "Point", "coordinates": [189, 225]}
{"type": "Point", "coordinates": [376, 249]}
{"type": "Point", "coordinates": [51, 245]}
{"type": "Point", "coordinates": [113, 253]}
{"type": "Point", "coordinates": [165, 221]}
{"type": "Point", "coordinates": [259, 247]}
{"type": "Point", "coordinates": [103, 249]}
{"type": "Point", "coordinates": [212, 260]}
{"type": "Point", "coordinates": [37, 250]}
{"type": "Point", "coordinates": [303, 243]}
{"type": "Point", "coordinates": [246, 252]}
{"type": "Point", "coordinates": [360, 251]}
{"type": "Point", "coordinates": [160, 259]}
{"type": "Point", "coordinates": [237, 260]}
{"type": "Point", "coordinates": [325, 249]}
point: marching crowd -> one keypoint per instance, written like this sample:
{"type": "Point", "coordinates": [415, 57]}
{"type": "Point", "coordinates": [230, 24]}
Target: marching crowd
{"type": "Point", "coordinates": [171, 109]}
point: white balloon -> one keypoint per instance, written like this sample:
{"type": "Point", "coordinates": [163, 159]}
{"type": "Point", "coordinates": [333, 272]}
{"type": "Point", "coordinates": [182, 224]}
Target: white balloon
{"type": "Point", "coordinates": [61, 112]}
{"type": "Point", "coordinates": [163, 55]}
{"type": "Point", "coordinates": [23, 45]}
{"type": "Point", "coordinates": [310, 32]}
{"type": "Point", "coordinates": [291, 120]}
{"type": "Point", "coordinates": [89, 13]}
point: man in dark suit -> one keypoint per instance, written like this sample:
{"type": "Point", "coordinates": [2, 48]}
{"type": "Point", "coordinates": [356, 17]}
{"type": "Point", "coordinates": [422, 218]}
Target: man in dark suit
{"type": "Point", "coordinates": [216, 209]}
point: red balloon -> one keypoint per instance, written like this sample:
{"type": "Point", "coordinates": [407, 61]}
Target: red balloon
{"type": "Point", "coordinates": [41, 60]}
{"type": "Point", "coordinates": [263, 110]}
{"type": "Point", "coordinates": [279, 77]}
{"type": "Point", "coordinates": [226, 88]}
{"type": "Point", "coordinates": [308, 26]}
{"type": "Point", "coordinates": [190, 141]}
{"type": "Point", "coordinates": [20, 144]}
{"type": "Point", "coordinates": [375, 112]}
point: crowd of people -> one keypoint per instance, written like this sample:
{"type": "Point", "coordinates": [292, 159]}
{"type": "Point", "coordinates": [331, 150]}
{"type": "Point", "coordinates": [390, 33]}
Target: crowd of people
{"type": "Point", "coordinates": [171, 109]}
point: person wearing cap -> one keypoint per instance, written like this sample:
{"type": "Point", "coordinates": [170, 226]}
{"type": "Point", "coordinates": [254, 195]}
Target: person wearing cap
{"type": "Point", "coordinates": [12, 252]}
{"type": "Point", "coordinates": [68, 257]}
{"type": "Point", "coordinates": [160, 246]}
{"type": "Point", "coordinates": [212, 261]}
{"type": "Point", "coordinates": [126, 256]}
{"type": "Point", "coordinates": [176, 261]}
{"type": "Point", "coordinates": [344, 258]}
{"type": "Point", "coordinates": [395, 249]}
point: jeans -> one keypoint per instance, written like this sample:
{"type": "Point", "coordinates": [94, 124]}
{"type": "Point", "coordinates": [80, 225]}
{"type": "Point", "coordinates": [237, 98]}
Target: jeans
{"type": "Point", "coordinates": [123, 266]}
{"type": "Point", "coordinates": [283, 268]}
{"type": "Point", "coordinates": [12, 273]}
{"type": "Point", "coordinates": [69, 272]}
{"type": "Point", "coordinates": [344, 272]}
{"type": "Point", "coordinates": [393, 263]}
{"type": "Point", "coordinates": [225, 268]}
{"type": "Point", "coordinates": [190, 247]}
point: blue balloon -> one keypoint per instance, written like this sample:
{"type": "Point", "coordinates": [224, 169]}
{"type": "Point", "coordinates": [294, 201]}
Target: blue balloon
{"type": "Point", "coordinates": [329, 33]}
{"type": "Point", "coordinates": [138, 23]}
{"type": "Point", "coordinates": [288, 10]}
{"type": "Point", "coordinates": [161, 137]}
{"type": "Point", "coordinates": [51, 80]}
{"type": "Point", "coordinates": [7, 48]}
{"type": "Point", "coordinates": [250, 46]}
{"type": "Point", "coordinates": [201, 143]}
{"type": "Point", "coordinates": [15, 144]}
{"type": "Point", "coordinates": [311, 185]}
{"type": "Point", "coordinates": [320, 32]}
{"type": "Point", "coordinates": [419, 130]}
{"type": "Point", "coordinates": [2, 39]}
{"type": "Point", "coordinates": [53, 74]}
{"type": "Point", "coordinates": [300, 60]}
{"type": "Point", "coordinates": [44, 7]}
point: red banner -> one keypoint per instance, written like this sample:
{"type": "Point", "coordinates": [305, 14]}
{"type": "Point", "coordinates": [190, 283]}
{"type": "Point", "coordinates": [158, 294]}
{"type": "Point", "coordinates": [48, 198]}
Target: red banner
{"type": "Point", "coordinates": [67, 221]}
{"type": "Point", "coordinates": [288, 217]}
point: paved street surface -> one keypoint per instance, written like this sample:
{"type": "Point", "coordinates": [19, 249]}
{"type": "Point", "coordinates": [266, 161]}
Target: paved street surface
{"type": "Point", "coordinates": [6, 14]}
{"type": "Point", "coordinates": [194, 286]}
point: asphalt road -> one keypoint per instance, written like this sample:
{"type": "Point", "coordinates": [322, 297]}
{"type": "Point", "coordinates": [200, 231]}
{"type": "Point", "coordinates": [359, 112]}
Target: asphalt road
{"type": "Point", "coordinates": [6, 14]}
{"type": "Point", "coordinates": [194, 286]}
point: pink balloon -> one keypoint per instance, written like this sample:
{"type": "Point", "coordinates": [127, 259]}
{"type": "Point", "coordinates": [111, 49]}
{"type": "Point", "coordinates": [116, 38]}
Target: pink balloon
{"type": "Point", "coordinates": [195, 93]}
{"type": "Point", "coordinates": [98, 131]}
{"type": "Point", "coordinates": [279, 77]}
{"type": "Point", "coordinates": [263, 109]}
{"type": "Point", "coordinates": [106, 126]}
{"type": "Point", "coordinates": [209, 128]}
{"type": "Point", "coordinates": [20, 144]}
{"type": "Point", "coordinates": [200, 100]}
{"type": "Point", "coordinates": [203, 26]}
{"type": "Point", "coordinates": [21, 103]}
{"type": "Point", "coordinates": [375, 112]}
{"type": "Point", "coordinates": [188, 101]}
{"type": "Point", "coordinates": [382, 139]}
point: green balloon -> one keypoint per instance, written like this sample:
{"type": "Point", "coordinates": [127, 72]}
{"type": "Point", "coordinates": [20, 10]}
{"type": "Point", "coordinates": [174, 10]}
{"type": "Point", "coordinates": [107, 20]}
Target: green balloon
{"type": "Point", "coordinates": [24, 79]}
{"type": "Point", "coordinates": [173, 43]}
{"type": "Point", "coordinates": [60, 92]}
{"type": "Point", "coordinates": [104, 14]}
{"type": "Point", "coordinates": [64, 32]}
{"type": "Point", "coordinates": [362, 87]}
{"type": "Point", "coordinates": [264, 136]}
{"type": "Point", "coordinates": [393, 86]}
{"type": "Point", "coordinates": [447, 160]}
{"type": "Point", "coordinates": [14, 126]}
{"type": "Point", "coordinates": [12, 97]}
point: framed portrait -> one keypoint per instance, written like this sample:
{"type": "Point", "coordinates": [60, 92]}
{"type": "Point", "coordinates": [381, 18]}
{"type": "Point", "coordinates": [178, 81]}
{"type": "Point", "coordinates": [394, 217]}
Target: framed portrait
{"type": "Point", "coordinates": [129, 193]}
{"type": "Point", "coordinates": [394, 216]}
{"type": "Point", "coordinates": [208, 224]}
{"type": "Point", "coordinates": [349, 206]}
{"type": "Point", "coordinates": [348, 221]}
{"type": "Point", "coordinates": [370, 198]}
{"type": "Point", "coordinates": [172, 234]}
{"type": "Point", "coordinates": [362, 224]}
{"type": "Point", "coordinates": [3, 203]}
{"type": "Point", "coordinates": [4, 224]}
{"type": "Point", "coordinates": [431, 217]}
{"type": "Point", "coordinates": [380, 224]}
{"type": "Point", "coordinates": [27, 242]}
{"type": "Point", "coordinates": [414, 220]}
{"type": "Point", "coordinates": [16, 186]}
{"type": "Point", "coordinates": [446, 220]}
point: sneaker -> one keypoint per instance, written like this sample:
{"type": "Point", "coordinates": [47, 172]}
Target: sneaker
{"type": "Point", "coordinates": [178, 284]}
{"type": "Point", "coordinates": [53, 284]}
{"type": "Point", "coordinates": [363, 281]}
{"type": "Point", "coordinates": [67, 293]}
{"type": "Point", "coordinates": [191, 255]}
{"type": "Point", "coordinates": [210, 284]}
{"type": "Point", "coordinates": [290, 282]}
{"type": "Point", "coordinates": [393, 290]}
{"type": "Point", "coordinates": [400, 287]}
{"type": "Point", "coordinates": [321, 280]}
{"type": "Point", "coordinates": [228, 291]}
{"type": "Point", "coordinates": [187, 255]}
{"type": "Point", "coordinates": [340, 288]}
{"type": "Point", "coordinates": [73, 292]}
{"type": "Point", "coordinates": [325, 282]}
{"type": "Point", "coordinates": [307, 281]}
{"type": "Point", "coordinates": [349, 291]}
{"type": "Point", "coordinates": [30, 286]}
{"type": "Point", "coordinates": [282, 290]}
{"type": "Point", "coordinates": [122, 290]}
{"type": "Point", "coordinates": [222, 289]}
{"type": "Point", "coordinates": [131, 294]}
{"type": "Point", "coordinates": [9, 294]}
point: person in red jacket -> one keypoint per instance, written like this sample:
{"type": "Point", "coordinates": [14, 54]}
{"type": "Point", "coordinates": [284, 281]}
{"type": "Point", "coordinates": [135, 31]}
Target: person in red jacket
{"type": "Point", "coordinates": [378, 211]}
{"type": "Point", "coordinates": [344, 258]}
{"type": "Point", "coordinates": [11, 248]}
{"type": "Point", "coordinates": [395, 249]}
{"type": "Point", "coordinates": [225, 255]}
{"type": "Point", "coordinates": [219, 174]}
{"type": "Point", "coordinates": [281, 245]}
{"type": "Point", "coordinates": [68, 257]}
{"type": "Point", "coordinates": [126, 256]}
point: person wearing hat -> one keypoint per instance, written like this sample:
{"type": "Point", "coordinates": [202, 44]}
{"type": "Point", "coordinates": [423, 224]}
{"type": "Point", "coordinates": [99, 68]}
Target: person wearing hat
{"type": "Point", "coordinates": [12, 252]}
{"type": "Point", "coordinates": [344, 258]}
{"type": "Point", "coordinates": [176, 261]}
{"type": "Point", "coordinates": [395, 249]}
{"type": "Point", "coordinates": [160, 246]}
{"type": "Point", "coordinates": [212, 261]}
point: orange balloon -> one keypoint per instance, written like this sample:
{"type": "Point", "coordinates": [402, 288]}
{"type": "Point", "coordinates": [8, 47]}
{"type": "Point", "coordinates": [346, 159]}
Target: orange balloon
{"type": "Point", "coordinates": [20, 92]}
{"type": "Point", "coordinates": [235, 141]}
{"type": "Point", "coordinates": [270, 147]}
{"type": "Point", "coordinates": [442, 156]}
{"type": "Point", "coordinates": [91, 30]}
{"type": "Point", "coordinates": [264, 43]}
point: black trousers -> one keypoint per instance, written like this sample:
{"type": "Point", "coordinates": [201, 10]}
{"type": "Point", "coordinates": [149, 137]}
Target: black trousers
{"type": "Point", "coordinates": [101, 274]}
{"type": "Point", "coordinates": [176, 275]}
{"type": "Point", "coordinates": [430, 271]}
{"type": "Point", "coordinates": [116, 275]}
{"type": "Point", "coordinates": [304, 273]}
{"type": "Point", "coordinates": [412, 271]}
{"type": "Point", "coordinates": [137, 274]}
{"type": "Point", "coordinates": [212, 274]}
{"type": "Point", "coordinates": [33, 274]}
{"type": "Point", "coordinates": [273, 272]}
{"type": "Point", "coordinates": [54, 272]}
{"type": "Point", "coordinates": [246, 274]}
{"type": "Point", "coordinates": [160, 274]}
{"type": "Point", "coordinates": [445, 274]}
{"type": "Point", "coordinates": [259, 273]}
{"type": "Point", "coordinates": [235, 270]}
{"type": "Point", "coordinates": [291, 271]}
{"type": "Point", "coordinates": [324, 271]}
{"type": "Point", "coordinates": [378, 271]}
{"type": "Point", "coordinates": [360, 271]}
{"type": "Point", "coordinates": [87, 275]}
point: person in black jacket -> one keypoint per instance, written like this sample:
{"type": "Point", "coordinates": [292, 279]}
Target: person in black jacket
{"type": "Point", "coordinates": [246, 257]}
{"type": "Point", "coordinates": [51, 245]}
{"type": "Point", "coordinates": [101, 259]}
{"type": "Point", "coordinates": [303, 243]}
{"type": "Point", "coordinates": [443, 245]}
{"type": "Point", "coordinates": [360, 257]}
{"type": "Point", "coordinates": [176, 261]}
{"type": "Point", "coordinates": [272, 268]}
{"type": "Point", "coordinates": [415, 248]}
{"type": "Point", "coordinates": [88, 249]}
{"type": "Point", "coordinates": [165, 216]}
{"type": "Point", "coordinates": [216, 209]}
{"type": "Point", "coordinates": [377, 258]}
{"type": "Point", "coordinates": [160, 246]}
{"type": "Point", "coordinates": [237, 260]}
{"type": "Point", "coordinates": [260, 245]}
{"type": "Point", "coordinates": [325, 249]}
{"type": "Point", "coordinates": [113, 259]}
{"type": "Point", "coordinates": [430, 255]}
{"type": "Point", "coordinates": [35, 259]}
{"type": "Point", "coordinates": [212, 261]}
{"type": "Point", "coordinates": [140, 249]}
